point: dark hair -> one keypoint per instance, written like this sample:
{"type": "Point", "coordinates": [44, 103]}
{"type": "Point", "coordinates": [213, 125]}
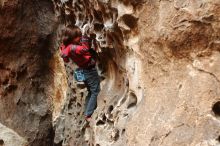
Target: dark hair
{"type": "Point", "coordinates": [69, 33]}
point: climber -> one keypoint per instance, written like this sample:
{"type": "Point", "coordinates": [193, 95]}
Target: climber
{"type": "Point", "coordinates": [77, 47]}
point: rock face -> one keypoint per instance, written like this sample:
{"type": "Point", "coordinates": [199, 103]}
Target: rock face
{"type": "Point", "coordinates": [159, 67]}
{"type": "Point", "coordinates": [160, 63]}
{"type": "Point", "coordinates": [25, 100]}
{"type": "Point", "coordinates": [9, 137]}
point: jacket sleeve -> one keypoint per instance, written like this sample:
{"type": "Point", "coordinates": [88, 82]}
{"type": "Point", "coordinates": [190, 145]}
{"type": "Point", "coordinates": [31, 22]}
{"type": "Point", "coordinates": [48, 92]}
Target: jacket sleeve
{"type": "Point", "coordinates": [82, 50]}
{"type": "Point", "coordinates": [86, 41]}
{"type": "Point", "coordinates": [62, 47]}
{"type": "Point", "coordinates": [65, 54]}
{"type": "Point", "coordinates": [87, 46]}
{"type": "Point", "coordinates": [93, 42]}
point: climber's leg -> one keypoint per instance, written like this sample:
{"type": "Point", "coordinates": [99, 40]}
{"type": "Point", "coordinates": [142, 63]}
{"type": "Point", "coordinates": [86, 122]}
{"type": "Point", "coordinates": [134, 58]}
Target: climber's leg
{"type": "Point", "coordinates": [93, 82]}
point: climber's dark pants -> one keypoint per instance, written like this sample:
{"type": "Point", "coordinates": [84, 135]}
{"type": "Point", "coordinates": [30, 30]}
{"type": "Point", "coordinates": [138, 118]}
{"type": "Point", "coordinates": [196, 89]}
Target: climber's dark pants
{"type": "Point", "coordinates": [92, 82]}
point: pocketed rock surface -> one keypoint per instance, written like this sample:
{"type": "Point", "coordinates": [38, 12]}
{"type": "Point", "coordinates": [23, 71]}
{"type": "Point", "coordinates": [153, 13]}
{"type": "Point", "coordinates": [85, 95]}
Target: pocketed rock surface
{"type": "Point", "coordinates": [25, 73]}
{"type": "Point", "coordinates": [159, 64]}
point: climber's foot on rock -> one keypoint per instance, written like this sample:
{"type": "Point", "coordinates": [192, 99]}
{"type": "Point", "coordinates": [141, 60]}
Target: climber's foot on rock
{"type": "Point", "coordinates": [88, 118]}
{"type": "Point", "coordinates": [86, 122]}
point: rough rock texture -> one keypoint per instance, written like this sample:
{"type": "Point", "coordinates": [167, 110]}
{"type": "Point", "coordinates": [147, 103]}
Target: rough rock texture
{"type": "Point", "coordinates": [26, 28]}
{"type": "Point", "coordinates": [8, 137]}
{"type": "Point", "coordinates": [160, 65]}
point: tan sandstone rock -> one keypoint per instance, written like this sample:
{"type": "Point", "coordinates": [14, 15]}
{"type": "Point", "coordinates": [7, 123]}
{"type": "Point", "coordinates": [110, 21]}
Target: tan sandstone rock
{"type": "Point", "coordinates": [10, 138]}
{"type": "Point", "coordinates": [161, 69]}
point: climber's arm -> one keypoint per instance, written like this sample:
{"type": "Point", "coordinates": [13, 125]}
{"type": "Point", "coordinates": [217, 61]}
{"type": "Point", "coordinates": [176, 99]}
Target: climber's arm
{"type": "Point", "coordinates": [65, 53]}
{"type": "Point", "coordinates": [82, 50]}
{"type": "Point", "coordinates": [86, 41]}
{"type": "Point", "coordinates": [93, 40]}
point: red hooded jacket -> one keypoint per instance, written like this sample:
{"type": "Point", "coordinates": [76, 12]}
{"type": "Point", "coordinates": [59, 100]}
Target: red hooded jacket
{"type": "Point", "coordinates": [80, 54]}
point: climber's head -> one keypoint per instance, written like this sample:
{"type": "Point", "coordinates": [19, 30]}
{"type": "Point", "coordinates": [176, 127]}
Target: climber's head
{"type": "Point", "coordinates": [71, 34]}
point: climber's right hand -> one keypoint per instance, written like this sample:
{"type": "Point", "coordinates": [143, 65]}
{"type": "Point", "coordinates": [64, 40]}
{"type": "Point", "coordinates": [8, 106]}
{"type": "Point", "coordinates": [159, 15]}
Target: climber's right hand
{"type": "Point", "coordinates": [85, 29]}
